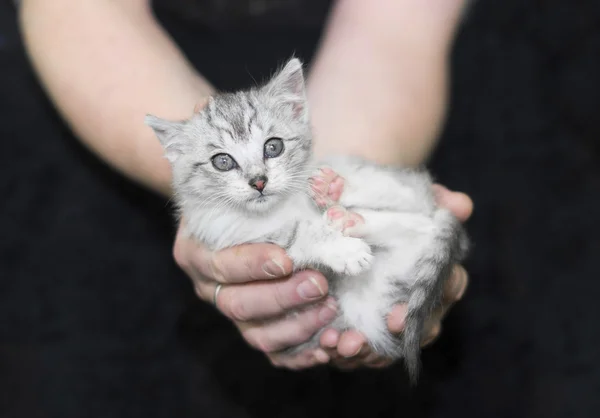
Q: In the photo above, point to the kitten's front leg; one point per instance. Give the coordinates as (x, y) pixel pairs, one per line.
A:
(315, 243)
(326, 187)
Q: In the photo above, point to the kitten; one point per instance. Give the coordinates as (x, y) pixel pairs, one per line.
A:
(241, 174)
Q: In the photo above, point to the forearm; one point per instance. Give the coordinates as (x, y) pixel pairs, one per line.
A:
(378, 87)
(106, 64)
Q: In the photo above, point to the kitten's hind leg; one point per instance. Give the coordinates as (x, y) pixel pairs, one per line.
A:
(377, 227)
(367, 186)
(317, 243)
(345, 221)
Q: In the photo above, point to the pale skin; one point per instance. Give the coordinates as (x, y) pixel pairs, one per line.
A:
(380, 74)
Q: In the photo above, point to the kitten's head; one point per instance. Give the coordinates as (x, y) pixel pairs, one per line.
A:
(246, 150)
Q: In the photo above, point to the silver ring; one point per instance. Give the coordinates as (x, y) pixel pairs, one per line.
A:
(217, 290)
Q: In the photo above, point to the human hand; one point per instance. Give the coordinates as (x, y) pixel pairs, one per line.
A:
(350, 350)
(258, 294)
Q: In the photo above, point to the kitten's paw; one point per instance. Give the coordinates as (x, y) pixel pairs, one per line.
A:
(349, 223)
(351, 256)
(326, 187)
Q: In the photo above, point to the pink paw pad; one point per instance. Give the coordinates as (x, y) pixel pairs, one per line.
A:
(344, 220)
(327, 187)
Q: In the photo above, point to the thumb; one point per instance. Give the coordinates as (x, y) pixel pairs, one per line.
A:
(458, 203)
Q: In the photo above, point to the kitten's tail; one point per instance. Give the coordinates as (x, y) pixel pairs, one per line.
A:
(449, 244)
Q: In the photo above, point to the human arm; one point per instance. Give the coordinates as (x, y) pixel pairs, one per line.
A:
(378, 89)
(105, 64)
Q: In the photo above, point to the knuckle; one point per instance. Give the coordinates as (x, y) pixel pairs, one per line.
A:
(267, 346)
(436, 330)
(275, 362)
(215, 266)
(308, 326)
(248, 263)
(303, 325)
(279, 296)
(432, 334)
(198, 291)
(259, 342)
(179, 254)
(253, 340)
(235, 306)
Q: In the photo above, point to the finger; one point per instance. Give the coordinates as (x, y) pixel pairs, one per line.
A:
(243, 263)
(353, 363)
(458, 203)
(454, 289)
(321, 356)
(267, 299)
(456, 285)
(330, 338)
(344, 363)
(306, 359)
(381, 363)
(370, 356)
(431, 333)
(329, 341)
(365, 354)
(351, 343)
(366, 358)
(361, 357)
(290, 330)
(396, 319)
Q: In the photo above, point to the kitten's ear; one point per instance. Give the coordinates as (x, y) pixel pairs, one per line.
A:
(170, 135)
(288, 85)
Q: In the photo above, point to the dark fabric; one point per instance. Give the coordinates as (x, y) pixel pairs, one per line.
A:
(97, 321)
(258, 15)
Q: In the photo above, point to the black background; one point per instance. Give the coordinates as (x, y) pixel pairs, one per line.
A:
(97, 321)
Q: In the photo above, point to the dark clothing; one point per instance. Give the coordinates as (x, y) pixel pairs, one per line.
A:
(227, 15)
(97, 321)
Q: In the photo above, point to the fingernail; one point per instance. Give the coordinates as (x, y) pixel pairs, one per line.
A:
(274, 268)
(433, 334)
(461, 286)
(327, 313)
(355, 354)
(321, 356)
(310, 289)
(330, 340)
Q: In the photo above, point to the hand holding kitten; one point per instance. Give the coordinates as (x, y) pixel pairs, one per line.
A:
(259, 293)
(350, 350)
(259, 290)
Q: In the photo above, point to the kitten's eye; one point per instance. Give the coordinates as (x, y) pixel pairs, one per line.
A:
(273, 148)
(223, 162)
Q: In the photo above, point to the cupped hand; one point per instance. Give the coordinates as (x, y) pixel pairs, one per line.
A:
(350, 350)
(259, 293)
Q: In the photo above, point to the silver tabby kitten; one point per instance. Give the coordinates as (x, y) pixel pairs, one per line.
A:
(241, 174)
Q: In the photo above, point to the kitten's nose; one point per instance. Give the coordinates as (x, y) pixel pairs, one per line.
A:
(258, 183)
